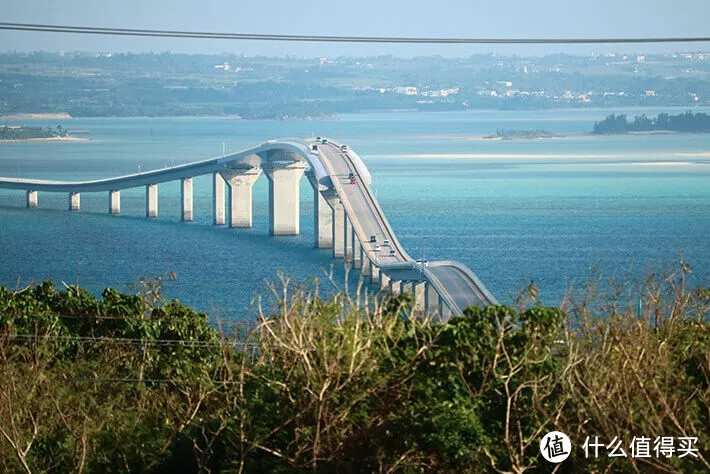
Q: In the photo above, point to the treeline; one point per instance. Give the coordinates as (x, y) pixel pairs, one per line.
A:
(685, 122)
(17, 132)
(135, 383)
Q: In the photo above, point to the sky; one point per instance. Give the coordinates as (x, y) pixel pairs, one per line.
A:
(439, 18)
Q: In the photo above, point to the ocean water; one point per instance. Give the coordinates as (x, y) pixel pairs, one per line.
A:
(548, 211)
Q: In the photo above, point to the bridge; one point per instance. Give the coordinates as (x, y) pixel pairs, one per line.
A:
(347, 217)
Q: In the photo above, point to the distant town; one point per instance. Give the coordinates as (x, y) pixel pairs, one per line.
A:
(164, 84)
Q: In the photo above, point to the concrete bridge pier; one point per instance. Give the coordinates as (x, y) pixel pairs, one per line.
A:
(31, 199)
(284, 195)
(218, 195)
(418, 289)
(114, 202)
(395, 287)
(374, 273)
(322, 215)
(240, 181)
(432, 302)
(366, 267)
(323, 222)
(384, 281)
(347, 239)
(74, 201)
(356, 250)
(337, 223)
(151, 200)
(186, 199)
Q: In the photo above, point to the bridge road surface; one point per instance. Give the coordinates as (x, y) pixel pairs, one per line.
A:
(450, 278)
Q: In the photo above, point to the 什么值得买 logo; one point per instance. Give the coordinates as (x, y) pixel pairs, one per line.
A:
(555, 446)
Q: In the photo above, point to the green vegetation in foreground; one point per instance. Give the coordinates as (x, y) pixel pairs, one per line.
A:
(685, 122)
(513, 134)
(18, 132)
(134, 383)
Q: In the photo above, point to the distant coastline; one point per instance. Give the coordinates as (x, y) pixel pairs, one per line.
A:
(36, 116)
(66, 116)
(46, 139)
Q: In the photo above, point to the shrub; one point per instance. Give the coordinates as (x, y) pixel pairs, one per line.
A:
(138, 383)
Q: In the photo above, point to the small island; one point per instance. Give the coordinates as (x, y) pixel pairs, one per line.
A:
(512, 134)
(685, 122)
(21, 132)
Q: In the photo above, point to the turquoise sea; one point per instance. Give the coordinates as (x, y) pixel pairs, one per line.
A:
(547, 211)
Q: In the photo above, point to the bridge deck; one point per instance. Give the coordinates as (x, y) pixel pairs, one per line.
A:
(457, 286)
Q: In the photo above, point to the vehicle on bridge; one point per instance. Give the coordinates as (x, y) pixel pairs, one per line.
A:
(343, 147)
